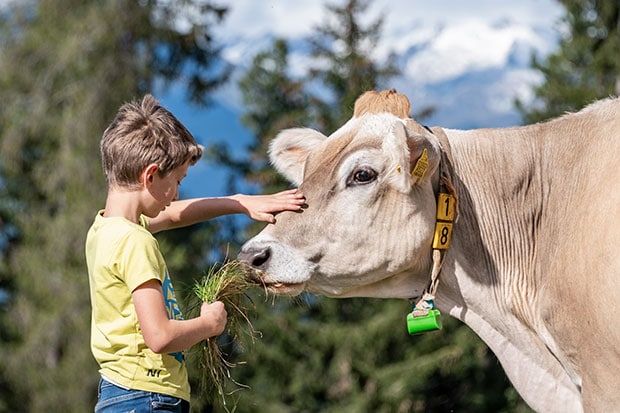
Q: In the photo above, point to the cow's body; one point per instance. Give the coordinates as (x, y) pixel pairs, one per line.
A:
(533, 267)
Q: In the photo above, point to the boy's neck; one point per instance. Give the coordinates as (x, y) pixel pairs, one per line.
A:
(123, 204)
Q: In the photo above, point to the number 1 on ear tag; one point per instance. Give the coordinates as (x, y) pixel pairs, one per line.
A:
(425, 323)
(445, 207)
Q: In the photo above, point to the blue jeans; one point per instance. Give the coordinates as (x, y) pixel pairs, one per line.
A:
(115, 399)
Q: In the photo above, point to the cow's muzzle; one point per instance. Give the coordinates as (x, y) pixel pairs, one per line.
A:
(256, 260)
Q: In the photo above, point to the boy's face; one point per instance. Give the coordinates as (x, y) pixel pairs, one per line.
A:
(163, 189)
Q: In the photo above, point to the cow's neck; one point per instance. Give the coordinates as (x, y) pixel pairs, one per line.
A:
(494, 239)
(489, 277)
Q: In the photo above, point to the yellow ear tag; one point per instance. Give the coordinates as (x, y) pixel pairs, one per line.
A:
(421, 165)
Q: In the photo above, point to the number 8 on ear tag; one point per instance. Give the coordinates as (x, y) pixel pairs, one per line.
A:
(424, 323)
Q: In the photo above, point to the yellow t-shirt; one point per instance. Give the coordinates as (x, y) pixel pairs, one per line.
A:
(121, 256)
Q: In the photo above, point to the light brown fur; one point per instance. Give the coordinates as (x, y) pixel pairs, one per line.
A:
(388, 101)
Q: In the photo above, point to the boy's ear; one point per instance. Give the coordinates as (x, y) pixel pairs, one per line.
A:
(148, 174)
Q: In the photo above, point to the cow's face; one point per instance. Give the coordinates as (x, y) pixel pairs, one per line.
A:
(369, 223)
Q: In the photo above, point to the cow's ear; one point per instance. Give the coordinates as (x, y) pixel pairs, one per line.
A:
(424, 154)
(413, 154)
(290, 148)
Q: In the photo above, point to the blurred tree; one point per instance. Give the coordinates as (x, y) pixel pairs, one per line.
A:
(65, 68)
(342, 49)
(354, 355)
(274, 102)
(586, 66)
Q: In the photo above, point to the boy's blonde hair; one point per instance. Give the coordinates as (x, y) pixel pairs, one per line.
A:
(143, 133)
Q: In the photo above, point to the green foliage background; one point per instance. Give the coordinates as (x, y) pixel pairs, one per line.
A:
(65, 68)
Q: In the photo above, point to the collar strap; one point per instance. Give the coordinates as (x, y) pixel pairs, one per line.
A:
(424, 316)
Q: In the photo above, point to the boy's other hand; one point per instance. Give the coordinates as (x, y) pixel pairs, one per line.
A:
(216, 317)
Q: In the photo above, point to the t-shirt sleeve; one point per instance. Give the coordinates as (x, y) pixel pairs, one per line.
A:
(140, 260)
(144, 221)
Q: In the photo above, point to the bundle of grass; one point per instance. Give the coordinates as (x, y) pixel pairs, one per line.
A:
(226, 283)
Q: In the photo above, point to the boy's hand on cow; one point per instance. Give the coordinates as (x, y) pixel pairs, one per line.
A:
(263, 207)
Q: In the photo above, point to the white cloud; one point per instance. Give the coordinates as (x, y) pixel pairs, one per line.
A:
(515, 84)
(251, 18)
(466, 46)
(297, 18)
(294, 19)
(407, 22)
(536, 12)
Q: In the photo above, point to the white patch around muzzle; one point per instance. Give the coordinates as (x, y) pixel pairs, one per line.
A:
(276, 265)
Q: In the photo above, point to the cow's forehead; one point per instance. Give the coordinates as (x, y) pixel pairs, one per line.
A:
(322, 161)
(367, 131)
(369, 125)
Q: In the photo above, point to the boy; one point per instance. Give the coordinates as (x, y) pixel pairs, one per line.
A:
(138, 333)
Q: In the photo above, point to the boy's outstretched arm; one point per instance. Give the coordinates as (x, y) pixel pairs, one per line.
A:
(258, 207)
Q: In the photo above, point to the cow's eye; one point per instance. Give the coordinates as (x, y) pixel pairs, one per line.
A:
(362, 176)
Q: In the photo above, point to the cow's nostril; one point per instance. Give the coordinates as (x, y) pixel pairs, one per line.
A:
(255, 257)
(260, 258)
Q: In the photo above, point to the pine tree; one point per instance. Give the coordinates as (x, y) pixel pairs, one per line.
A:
(586, 66)
(344, 44)
(273, 101)
(65, 68)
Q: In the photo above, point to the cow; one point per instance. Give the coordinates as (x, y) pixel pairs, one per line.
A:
(531, 258)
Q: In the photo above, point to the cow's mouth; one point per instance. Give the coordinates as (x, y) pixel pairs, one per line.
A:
(276, 287)
(281, 288)
(261, 279)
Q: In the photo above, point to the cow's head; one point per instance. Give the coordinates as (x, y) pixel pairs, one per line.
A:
(368, 227)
